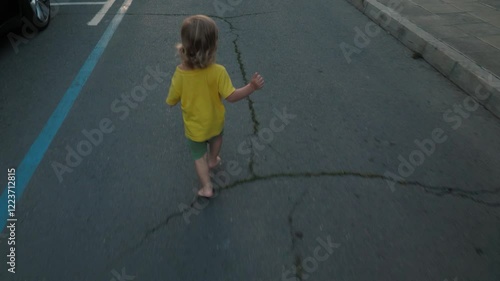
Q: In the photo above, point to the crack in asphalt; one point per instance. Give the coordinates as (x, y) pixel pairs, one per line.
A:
(250, 14)
(133, 248)
(243, 76)
(299, 272)
(253, 115)
(182, 14)
(434, 190)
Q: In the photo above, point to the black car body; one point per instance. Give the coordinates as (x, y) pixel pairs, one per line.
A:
(14, 12)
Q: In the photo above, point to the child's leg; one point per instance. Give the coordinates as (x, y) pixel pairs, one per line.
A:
(213, 156)
(202, 171)
(200, 156)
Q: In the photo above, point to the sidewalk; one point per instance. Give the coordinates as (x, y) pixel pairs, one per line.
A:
(460, 38)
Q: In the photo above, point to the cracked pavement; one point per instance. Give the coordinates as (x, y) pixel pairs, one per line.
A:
(130, 204)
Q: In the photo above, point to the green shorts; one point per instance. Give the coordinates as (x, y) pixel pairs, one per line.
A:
(198, 149)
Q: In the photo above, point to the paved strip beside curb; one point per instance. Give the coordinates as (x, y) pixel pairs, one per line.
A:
(475, 80)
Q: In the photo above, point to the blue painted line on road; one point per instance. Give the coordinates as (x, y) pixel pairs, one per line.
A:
(35, 154)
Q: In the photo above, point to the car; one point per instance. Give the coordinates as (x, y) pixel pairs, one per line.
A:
(14, 13)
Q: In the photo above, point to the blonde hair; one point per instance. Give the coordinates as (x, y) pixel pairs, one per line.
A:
(199, 35)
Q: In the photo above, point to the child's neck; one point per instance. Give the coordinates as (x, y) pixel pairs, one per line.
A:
(184, 67)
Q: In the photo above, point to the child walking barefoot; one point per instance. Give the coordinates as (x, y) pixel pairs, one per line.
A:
(200, 85)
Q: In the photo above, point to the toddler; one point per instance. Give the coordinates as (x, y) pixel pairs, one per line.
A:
(200, 85)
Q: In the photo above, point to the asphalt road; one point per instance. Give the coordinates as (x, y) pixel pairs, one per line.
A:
(339, 169)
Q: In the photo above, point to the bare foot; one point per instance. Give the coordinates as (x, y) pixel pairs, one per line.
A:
(212, 165)
(207, 191)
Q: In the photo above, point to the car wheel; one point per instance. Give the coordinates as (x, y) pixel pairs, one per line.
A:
(38, 12)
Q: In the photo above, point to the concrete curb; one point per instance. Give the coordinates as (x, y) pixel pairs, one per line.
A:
(475, 80)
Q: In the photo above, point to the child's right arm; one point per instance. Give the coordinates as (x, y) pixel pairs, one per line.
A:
(174, 96)
(256, 84)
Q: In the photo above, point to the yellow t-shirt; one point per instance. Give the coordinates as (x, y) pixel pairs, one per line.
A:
(200, 92)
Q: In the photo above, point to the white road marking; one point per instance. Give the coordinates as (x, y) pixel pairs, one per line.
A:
(98, 17)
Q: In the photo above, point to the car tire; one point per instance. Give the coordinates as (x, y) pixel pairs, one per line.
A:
(37, 12)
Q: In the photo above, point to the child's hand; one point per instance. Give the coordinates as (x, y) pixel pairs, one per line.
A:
(257, 81)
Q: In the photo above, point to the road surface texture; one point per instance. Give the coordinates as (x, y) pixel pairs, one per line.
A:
(347, 166)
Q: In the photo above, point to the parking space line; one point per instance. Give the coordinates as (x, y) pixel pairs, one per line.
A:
(77, 3)
(35, 154)
(98, 17)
